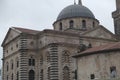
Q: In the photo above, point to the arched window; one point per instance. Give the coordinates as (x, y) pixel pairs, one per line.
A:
(89, 45)
(7, 77)
(31, 75)
(66, 73)
(48, 73)
(17, 62)
(41, 74)
(12, 64)
(83, 24)
(12, 77)
(93, 24)
(66, 57)
(7, 66)
(31, 61)
(17, 75)
(48, 57)
(60, 26)
(71, 23)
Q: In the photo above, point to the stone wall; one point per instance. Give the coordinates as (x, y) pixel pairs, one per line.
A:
(98, 64)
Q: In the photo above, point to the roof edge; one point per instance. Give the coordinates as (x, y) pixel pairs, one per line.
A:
(96, 52)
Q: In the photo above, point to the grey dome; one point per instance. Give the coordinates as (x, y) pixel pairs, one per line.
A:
(75, 11)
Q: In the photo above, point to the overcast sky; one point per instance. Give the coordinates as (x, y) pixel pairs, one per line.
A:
(40, 14)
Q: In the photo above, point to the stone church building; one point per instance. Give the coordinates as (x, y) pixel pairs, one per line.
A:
(49, 54)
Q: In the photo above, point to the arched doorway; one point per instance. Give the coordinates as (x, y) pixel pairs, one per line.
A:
(31, 75)
(66, 73)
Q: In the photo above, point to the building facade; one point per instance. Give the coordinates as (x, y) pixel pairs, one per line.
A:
(47, 55)
(101, 63)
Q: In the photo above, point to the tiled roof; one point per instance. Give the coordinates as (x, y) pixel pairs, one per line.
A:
(100, 49)
(24, 30)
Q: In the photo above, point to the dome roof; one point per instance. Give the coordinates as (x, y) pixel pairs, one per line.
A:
(75, 11)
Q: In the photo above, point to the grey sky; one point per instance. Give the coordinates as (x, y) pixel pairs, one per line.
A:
(40, 14)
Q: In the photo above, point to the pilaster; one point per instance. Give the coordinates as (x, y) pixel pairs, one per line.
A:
(23, 59)
(3, 68)
(54, 61)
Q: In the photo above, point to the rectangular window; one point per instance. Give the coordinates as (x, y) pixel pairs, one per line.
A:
(92, 76)
(12, 66)
(17, 76)
(29, 62)
(33, 62)
(17, 64)
(113, 72)
(41, 74)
